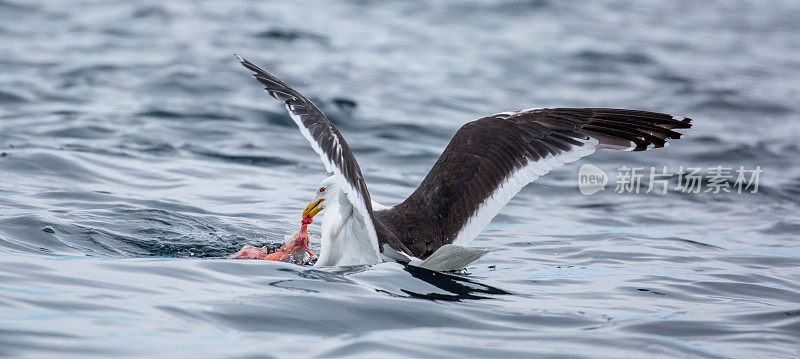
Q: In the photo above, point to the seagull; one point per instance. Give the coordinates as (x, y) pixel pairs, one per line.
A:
(485, 164)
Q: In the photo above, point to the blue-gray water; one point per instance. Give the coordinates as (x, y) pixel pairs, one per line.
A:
(135, 153)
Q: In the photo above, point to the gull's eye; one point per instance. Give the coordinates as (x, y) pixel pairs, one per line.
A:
(322, 190)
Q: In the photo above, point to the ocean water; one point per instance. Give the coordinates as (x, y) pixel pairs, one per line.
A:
(136, 154)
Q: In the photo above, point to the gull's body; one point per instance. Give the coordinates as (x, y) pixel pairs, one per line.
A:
(486, 163)
(344, 237)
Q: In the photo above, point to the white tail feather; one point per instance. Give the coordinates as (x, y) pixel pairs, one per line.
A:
(451, 257)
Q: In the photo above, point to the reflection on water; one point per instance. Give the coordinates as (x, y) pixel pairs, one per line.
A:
(426, 284)
(457, 288)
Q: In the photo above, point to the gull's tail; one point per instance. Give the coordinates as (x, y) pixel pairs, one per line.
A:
(451, 257)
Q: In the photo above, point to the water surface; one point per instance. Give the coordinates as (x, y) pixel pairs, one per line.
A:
(136, 153)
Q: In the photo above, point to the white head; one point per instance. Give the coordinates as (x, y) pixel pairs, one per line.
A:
(327, 194)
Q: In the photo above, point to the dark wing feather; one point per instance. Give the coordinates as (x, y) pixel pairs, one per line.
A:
(486, 152)
(324, 138)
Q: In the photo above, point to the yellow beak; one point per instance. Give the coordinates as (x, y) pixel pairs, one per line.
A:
(313, 208)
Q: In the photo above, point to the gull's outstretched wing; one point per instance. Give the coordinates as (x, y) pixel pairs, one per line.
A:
(326, 140)
(489, 160)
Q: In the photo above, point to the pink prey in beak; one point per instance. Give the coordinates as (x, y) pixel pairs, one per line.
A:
(294, 249)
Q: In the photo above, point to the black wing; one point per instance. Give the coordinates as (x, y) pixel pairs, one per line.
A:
(489, 160)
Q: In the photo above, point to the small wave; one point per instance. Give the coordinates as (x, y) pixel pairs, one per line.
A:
(291, 35)
(597, 56)
(740, 105)
(783, 227)
(261, 161)
(344, 103)
(87, 71)
(185, 114)
(82, 132)
(16, 6)
(41, 164)
(12, 98)
(156, 12)
(409, 131)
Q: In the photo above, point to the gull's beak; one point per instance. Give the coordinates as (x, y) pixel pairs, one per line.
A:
(313, 208)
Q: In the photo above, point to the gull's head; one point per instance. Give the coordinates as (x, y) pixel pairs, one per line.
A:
(325, 193)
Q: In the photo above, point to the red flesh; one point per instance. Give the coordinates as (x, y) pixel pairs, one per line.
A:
(300, 242)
